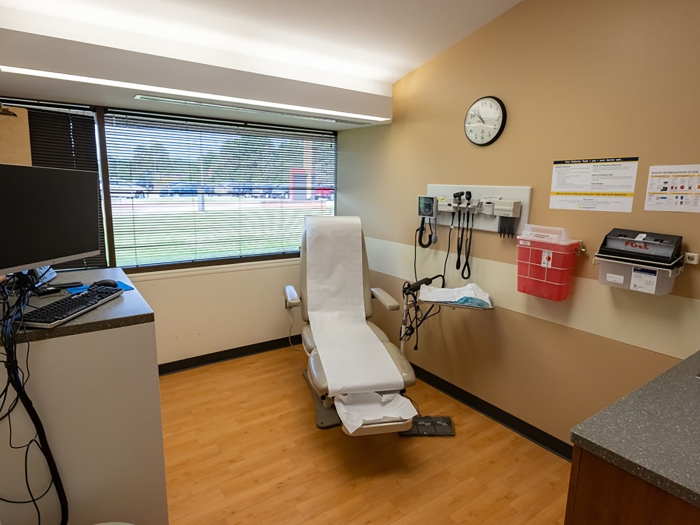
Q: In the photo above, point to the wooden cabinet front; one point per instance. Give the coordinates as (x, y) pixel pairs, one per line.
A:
(601, 493)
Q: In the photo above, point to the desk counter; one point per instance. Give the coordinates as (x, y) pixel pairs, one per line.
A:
(654, 432)
(127, 310)
(94, 381)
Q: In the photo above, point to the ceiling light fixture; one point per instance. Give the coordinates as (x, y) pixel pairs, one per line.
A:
(185, 93)
(194, 103)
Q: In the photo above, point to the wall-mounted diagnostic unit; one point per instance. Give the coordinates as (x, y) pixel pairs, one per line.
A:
(640, 261)
(500, 209)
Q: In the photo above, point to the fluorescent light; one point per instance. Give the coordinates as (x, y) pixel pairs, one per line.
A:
(194, 103)
(185, 93)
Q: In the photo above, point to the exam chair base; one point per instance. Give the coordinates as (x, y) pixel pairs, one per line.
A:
(326, 417)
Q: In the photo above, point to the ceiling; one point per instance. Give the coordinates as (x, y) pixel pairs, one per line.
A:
(338, 48)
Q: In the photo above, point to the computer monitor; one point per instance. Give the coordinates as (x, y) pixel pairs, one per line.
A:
(47, 216)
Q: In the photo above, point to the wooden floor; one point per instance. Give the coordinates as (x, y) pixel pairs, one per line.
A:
(241, 447)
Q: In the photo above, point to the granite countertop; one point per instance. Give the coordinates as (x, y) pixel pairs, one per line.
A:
(126, 310)
(654, 432)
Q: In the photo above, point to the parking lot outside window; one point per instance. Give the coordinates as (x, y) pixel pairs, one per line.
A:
(189, 191)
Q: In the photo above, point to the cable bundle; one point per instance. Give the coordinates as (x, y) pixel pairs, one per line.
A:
(414, 316)
(14, 298)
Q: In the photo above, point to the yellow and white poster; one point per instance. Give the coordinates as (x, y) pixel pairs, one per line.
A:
(674, 188)
(594, 184)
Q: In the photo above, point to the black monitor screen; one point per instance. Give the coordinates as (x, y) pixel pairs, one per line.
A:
(47, 216)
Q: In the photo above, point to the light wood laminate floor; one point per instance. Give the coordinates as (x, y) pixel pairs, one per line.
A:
(242, 447)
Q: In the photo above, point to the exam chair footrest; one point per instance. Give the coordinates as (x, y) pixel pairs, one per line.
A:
(395, 427)
(325, 417)
(435, 426)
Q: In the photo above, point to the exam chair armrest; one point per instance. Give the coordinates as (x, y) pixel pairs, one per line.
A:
(386, 300)
(291, 297)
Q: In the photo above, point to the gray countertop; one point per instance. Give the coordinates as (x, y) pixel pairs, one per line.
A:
(654, 432)
(126, 310)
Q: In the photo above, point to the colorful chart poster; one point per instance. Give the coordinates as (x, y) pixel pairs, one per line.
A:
(594, 184)
(674, 188)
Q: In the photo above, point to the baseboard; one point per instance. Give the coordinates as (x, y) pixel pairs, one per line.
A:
(225, 355)
(525, 429)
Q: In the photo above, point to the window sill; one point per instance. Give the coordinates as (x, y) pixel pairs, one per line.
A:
(174, 271)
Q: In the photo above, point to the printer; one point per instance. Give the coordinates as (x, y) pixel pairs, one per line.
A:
(639, 261)
(650, 249)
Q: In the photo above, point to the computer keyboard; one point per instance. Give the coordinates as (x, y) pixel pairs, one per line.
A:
(63, 310)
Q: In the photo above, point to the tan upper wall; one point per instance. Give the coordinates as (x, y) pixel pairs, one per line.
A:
(579, 80)
(14, 139)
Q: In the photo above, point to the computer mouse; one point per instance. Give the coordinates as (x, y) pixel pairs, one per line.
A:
(106, 282)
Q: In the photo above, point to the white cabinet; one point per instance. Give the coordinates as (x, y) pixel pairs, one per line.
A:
(97, 393)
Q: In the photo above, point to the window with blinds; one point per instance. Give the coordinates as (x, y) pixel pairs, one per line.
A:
(186, 190)
(65, 138)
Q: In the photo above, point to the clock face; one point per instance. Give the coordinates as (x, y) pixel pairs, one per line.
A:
(485, 121)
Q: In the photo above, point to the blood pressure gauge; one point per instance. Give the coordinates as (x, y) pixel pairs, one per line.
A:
(427, 207)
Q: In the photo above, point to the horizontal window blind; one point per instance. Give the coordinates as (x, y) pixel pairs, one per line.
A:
(185, 190)
(66, 139)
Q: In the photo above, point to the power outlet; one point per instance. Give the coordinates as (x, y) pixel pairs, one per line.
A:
(692, 258)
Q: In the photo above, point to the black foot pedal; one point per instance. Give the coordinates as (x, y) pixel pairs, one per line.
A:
(435, 426)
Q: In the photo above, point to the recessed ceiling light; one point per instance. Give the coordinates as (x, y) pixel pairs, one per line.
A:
(190, 94)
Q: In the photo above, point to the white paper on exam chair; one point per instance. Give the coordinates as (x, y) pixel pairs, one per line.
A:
(356, 410)
(469, 295)
(353, 358)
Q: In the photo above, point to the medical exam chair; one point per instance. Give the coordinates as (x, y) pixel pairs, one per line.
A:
(315, 374)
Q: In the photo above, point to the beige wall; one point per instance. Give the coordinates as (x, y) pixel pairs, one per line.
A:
(205, 310)
(14, 139)
(551, 376)
(579, 80)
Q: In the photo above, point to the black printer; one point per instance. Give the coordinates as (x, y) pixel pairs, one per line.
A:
(651, 249)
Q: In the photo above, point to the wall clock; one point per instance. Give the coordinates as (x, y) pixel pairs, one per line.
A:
(485, 121)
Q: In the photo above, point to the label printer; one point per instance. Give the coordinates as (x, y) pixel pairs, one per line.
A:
(640, 261)
(645, 248)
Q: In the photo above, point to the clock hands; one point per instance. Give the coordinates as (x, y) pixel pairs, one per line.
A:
(482, 126)
(475, 113)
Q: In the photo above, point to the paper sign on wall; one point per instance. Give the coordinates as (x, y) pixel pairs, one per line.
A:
(594, 184)
(674, 188)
